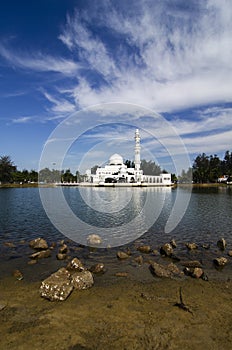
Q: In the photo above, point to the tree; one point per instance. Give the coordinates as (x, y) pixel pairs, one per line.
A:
(7, 168)
(201, 169)
(150, 167)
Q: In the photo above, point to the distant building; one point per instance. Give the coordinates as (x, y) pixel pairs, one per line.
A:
(117, 172)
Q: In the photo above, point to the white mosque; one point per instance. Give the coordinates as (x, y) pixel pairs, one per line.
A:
(116, 172)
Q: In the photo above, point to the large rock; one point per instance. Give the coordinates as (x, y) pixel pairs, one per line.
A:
(38, 243)
(221, 243)
(170, 270)
(82, 279)
(166, 250)
(58, 286)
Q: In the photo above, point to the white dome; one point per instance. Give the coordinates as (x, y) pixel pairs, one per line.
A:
(116, 159)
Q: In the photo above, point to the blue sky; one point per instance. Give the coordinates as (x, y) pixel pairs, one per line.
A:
(171, 57)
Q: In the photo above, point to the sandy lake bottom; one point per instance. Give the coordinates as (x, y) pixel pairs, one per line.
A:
(118, 313)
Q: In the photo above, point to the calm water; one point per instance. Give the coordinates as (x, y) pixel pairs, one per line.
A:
(207, 218)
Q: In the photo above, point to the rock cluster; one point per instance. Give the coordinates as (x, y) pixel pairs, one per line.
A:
(60, 284)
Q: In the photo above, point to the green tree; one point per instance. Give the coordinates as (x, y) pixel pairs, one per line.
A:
(201, 169)
(7, 168)
(150, 167)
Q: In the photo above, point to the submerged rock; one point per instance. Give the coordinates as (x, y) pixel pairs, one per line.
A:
(63, 249)
(38, 243)
(82, 279)
(41, 254)
(144, 249)
(230, 253)
(122, 255)
(58, 286)
(166, 250)
(221, 243)
(220, 261)
(61, 256)
(139, 260)
(17, 274)
(191, 263)
(121, 274)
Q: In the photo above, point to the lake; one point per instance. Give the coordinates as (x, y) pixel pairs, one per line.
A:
(118, 215)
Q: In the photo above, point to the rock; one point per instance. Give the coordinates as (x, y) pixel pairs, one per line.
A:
(38, 243)
(160, 270)
(82, 279)
(122, 255)
(63, 249)
(57, 286)
(206, 246)
(221, 243)
(173, 243)
(174, 269)
(144, 249)
(155, 252)
(75, 265)
(2, 306)
(97, 268)
(32, 262)
(230, 253)
(220, 261)
(60, 256)
(139, 260)
(121, 274)
(17, 274)
(191, 246)
(94, 240)
(197, 272)
(191, 263)
(166, 250)
(41, 254)
(9, 244)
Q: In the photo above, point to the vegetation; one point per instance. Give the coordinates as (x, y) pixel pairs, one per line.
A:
(205, 169)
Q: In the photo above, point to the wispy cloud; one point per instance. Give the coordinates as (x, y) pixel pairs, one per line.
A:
(21, 120)
(38, 61)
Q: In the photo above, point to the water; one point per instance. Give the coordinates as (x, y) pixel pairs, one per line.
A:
(207, 218)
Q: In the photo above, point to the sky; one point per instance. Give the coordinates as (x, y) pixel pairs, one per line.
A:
(82, 75)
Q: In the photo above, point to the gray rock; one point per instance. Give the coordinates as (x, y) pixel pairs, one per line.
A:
(221, 243)
(57, 286)
(191, 246)
(38, 243)
(166, 250)
(75, 265)
(41, 254)
(220, 261)
(144, 249)
(82, 279)
(122, 255)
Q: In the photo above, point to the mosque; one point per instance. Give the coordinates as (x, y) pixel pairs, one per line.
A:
(116, 171)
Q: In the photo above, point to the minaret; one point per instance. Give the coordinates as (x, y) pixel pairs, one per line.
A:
(137, 150)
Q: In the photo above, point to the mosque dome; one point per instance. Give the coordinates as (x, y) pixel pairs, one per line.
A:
(116, 159)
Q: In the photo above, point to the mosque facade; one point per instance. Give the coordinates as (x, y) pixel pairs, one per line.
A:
(117, 172)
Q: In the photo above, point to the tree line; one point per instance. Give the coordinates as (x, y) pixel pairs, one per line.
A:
(205, 169)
